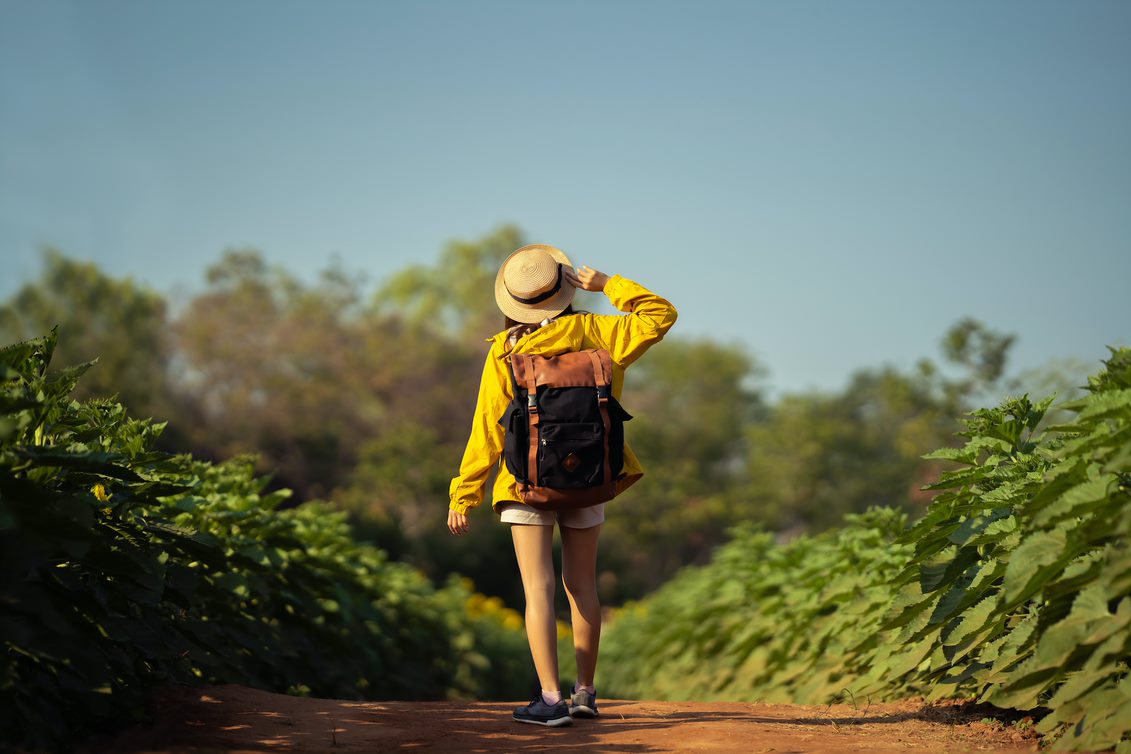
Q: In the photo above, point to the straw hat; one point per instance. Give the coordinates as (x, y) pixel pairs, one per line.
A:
(531, 285)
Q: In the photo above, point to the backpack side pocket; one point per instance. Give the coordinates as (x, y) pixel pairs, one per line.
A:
(617, 417)
(516, 442)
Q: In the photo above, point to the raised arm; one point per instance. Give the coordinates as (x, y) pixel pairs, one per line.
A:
(649, 316)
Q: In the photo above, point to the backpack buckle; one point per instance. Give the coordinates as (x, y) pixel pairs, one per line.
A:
(602, 393)
(531, 402)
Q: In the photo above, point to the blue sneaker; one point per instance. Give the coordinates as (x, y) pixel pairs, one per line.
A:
(540, 713)
(582, 703)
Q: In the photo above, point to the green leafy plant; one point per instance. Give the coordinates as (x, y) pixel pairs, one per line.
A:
(124, 568)
(1014, 588)
(762, 620)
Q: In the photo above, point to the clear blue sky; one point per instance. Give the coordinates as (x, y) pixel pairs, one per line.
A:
(832, 184)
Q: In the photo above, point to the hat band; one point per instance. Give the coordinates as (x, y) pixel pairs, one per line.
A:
(541, 296)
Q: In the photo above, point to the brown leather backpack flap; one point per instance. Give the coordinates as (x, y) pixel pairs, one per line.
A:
(574, 369)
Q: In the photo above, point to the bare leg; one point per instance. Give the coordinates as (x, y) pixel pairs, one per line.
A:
(579, 575)
(533, 548)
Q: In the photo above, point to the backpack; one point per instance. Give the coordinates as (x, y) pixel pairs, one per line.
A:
(564, 438)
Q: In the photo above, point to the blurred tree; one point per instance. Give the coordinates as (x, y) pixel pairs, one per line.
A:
(455, 295)
(278, 368)
(425, 330)
(117, 321)
(691, 400)
(369, 405)
(981, 351)
(818, 456)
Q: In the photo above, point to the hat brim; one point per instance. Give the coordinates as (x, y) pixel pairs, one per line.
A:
(534, 313)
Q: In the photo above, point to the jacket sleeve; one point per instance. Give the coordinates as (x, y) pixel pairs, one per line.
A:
(486, 442)
(649, 318)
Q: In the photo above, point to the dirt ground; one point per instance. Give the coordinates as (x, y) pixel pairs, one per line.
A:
(235, 719)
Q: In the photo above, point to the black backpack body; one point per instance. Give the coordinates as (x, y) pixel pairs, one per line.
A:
(564, 429)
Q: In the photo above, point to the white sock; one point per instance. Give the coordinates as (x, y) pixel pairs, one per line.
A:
(551, 697)
(588, 689)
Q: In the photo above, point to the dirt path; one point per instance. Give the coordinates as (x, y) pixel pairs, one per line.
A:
(238, 719)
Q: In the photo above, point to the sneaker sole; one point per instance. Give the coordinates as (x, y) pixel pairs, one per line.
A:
(556, 723)
(581, 711)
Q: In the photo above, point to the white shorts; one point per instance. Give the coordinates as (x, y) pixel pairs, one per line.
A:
(575, 518)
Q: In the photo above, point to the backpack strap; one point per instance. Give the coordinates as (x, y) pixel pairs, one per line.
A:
(532, 412)
(603, 405)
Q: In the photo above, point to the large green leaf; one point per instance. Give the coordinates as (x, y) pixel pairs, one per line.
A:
(106, 464)
(1031, 563)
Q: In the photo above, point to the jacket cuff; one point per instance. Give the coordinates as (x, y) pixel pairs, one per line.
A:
(459, 507)
(616, 293)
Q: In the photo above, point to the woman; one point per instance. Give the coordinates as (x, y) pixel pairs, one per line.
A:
(534, 289)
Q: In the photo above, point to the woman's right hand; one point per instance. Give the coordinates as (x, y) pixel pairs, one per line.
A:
(586, 278)
(457, 523)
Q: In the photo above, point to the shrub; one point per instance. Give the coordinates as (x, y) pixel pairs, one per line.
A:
(1014, 588)
(125, 568)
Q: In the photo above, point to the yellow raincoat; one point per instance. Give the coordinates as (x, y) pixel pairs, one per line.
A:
(626, 338)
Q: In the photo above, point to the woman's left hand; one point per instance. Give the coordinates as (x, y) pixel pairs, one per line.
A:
(457, 523)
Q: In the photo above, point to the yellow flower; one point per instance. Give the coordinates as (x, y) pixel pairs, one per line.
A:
(100, 492)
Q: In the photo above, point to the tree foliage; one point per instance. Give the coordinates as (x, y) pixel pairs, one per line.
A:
(119, 322)
(454, 296)
(365, 399)
(276, 367)
(692, 401)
